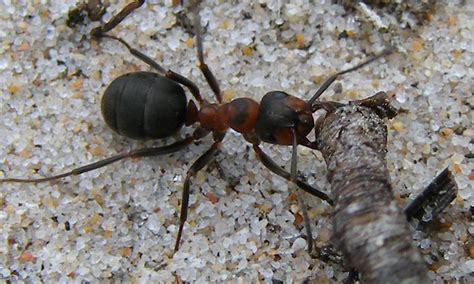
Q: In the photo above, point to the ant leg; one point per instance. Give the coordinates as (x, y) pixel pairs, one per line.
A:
(380, 102)
(333, 78)
(299, 196)
(210, 78)
(166, 73)
(145, 152)
(100, 32)
(200, 163)
(294, 157)
(272, 166)
(117, 19)
(329, 107)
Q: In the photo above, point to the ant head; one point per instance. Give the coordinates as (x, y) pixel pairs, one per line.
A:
(280, 115)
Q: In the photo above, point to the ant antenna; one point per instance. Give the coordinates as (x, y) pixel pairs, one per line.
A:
(333, 78)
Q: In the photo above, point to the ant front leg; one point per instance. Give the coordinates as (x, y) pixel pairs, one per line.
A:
(276, 169)
(292, 176)
(333, 78)
(299, 196)
(380, 103)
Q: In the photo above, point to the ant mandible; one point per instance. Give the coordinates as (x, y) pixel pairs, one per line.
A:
(147, 105)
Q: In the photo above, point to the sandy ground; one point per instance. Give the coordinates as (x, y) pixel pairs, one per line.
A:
(120, 222)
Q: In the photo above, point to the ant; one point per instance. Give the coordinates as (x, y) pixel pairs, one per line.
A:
(147, 105)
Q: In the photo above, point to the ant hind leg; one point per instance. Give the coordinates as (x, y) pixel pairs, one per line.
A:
(117, 19)
(101, 32)
(145, 152)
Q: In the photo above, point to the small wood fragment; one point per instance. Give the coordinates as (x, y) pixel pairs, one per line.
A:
(434, 199)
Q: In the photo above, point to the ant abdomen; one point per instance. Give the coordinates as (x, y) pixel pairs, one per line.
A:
(144, 105)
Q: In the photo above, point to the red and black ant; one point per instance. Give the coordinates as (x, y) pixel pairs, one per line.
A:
(147, 105)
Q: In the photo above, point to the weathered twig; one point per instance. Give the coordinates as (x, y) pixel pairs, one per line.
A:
(369, 227)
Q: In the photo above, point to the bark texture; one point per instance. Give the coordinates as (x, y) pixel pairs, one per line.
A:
(369, 227)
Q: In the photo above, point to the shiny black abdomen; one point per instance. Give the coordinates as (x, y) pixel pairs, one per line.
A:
(144, 105)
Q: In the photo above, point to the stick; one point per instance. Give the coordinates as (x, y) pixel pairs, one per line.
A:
(369, 227)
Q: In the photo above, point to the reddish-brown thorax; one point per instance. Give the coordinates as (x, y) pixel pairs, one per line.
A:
(239, 114)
